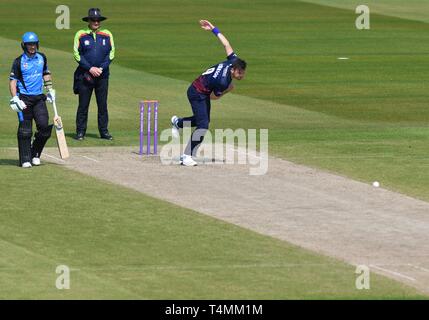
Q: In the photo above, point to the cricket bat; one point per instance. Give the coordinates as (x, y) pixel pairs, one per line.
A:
(59, 130)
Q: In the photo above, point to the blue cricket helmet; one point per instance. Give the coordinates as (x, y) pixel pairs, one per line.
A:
(29, 37)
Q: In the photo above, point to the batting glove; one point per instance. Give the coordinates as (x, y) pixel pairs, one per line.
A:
(17, 104)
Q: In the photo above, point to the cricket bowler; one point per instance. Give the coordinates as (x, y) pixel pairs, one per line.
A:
(27, 78)
(214, 83)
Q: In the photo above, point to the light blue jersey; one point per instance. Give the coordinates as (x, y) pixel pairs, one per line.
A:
(29, 72)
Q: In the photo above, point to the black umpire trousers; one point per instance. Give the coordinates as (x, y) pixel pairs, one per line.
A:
(100, 86)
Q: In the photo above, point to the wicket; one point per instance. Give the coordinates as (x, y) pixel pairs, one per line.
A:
(149, 104)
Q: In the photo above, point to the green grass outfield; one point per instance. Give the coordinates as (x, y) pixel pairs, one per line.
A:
(369, 115)
(365, 118)
(121, 244)
(414, 9)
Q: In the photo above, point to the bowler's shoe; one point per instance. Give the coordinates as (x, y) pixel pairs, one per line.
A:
(186, 160)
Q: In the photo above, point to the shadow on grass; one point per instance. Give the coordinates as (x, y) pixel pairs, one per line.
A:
(88, 135)
(9, 162)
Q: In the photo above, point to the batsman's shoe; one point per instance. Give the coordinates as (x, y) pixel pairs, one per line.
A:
(174, 127)
(35, 161)
(26, 165)
(187, 161)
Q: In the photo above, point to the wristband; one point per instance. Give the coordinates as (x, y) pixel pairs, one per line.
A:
(48, 84)
(215, 31)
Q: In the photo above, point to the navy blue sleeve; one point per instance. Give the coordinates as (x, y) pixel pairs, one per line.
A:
(45, 65)
(14, 72)
(83, 62)
(217, 93)
(232, 57)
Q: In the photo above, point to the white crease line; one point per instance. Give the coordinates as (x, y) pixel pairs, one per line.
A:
(393, 272)
(49, 156)
(91, 159)
(419, 268)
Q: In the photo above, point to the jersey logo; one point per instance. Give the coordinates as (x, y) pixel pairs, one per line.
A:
(25, 65)
(218, 69)
(104, 42)
(86, 42)
(225, 72)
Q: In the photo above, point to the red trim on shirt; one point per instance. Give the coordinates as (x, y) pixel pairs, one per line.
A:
(199, 86)
(103, 34)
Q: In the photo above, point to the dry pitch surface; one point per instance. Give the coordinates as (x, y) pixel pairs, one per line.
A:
(323, 212)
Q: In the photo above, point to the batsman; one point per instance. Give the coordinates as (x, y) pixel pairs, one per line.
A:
(214, 83)
(28, 76)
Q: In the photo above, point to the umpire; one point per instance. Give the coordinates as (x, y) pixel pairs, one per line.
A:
(94, 50)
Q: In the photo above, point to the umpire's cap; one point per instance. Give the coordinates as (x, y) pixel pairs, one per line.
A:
(94, 14)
